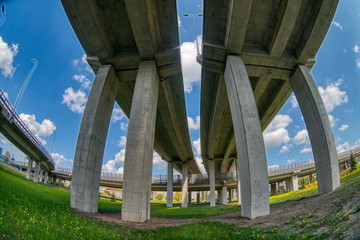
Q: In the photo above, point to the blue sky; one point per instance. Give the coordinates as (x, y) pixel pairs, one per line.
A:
(55, 97)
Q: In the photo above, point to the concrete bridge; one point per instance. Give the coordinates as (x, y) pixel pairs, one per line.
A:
(255, 53)
(15, 130)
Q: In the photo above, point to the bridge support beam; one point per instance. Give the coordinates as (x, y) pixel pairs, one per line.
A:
(46, 177)
(223, 195)
(29, 168)
(185, 182)
(169, 186)
(212, 183)
(91, 141)
(273, 189)
(319, 129)
(238, 190)
(140, 145)
(248, 136)
(36, 171)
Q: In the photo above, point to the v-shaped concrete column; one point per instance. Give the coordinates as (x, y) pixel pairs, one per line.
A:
(36, 171)
(91, 141)
(249, 140)
(29, 168)
(140, 145)
(212, 183)
(319, 129)
(185, 184)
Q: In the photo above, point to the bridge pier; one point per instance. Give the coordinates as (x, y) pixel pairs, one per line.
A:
(238, 184)
(273, 189)
(319, 129)
(46, 178)
(36, 171)
(292, 184)
(140, 145)
(212, 183)
(91, 141)
(223, 195)
(185, 182)
(29, 168)
(248, 136)
(169, 185)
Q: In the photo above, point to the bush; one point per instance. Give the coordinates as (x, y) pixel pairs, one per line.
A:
(159, 197)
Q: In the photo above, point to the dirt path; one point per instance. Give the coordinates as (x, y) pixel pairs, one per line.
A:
(341, 202)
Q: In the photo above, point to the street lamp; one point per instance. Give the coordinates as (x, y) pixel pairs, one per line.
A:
(198, 57)
(26, 82)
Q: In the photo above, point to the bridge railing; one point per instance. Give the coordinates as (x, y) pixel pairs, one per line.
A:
(229, 176)
(14, 117)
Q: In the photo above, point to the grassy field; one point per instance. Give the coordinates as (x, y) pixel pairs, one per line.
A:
(37, 211)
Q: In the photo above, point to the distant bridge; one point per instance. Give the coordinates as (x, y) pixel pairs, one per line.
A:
(16, 131)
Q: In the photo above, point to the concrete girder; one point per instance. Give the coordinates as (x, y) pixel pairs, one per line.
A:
(319, 129)
(91, 141)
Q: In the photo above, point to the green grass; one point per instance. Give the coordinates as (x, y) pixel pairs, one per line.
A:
(37, 211)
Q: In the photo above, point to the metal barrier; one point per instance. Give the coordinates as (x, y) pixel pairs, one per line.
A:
(14, 117)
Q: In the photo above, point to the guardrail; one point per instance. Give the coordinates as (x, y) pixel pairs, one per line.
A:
(14, 117)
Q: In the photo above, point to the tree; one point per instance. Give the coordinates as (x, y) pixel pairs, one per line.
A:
(178, 196)
(159, 197)
(352, 162)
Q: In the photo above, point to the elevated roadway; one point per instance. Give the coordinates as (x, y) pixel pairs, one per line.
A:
(255, 53)
(16, 131)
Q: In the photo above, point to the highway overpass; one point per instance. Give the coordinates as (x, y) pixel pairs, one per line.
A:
(16, 131)
(255, 54)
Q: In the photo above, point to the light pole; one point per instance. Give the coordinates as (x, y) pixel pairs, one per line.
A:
(26, 82)
(198, 57)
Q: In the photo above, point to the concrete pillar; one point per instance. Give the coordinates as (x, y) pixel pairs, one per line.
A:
(319, 129)
(184, 200)
(295, 182)
(41, 175)
(91, 141)
(238, 184)
(198, 198)
(140, 145)
(212, 183)
(29, 168)
(190, 198)
(46, 178)
(230, 195)
(273, 189)
(169, 186)
(289, 185)
(224, 195)
(202, 196)
(248, 136)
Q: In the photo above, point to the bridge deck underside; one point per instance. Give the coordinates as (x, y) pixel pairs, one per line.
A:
(272, 38)
(124, 33)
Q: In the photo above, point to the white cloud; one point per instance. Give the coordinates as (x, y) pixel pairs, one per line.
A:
(197, 146)
(276, 133)
(301, 137)
(194, 124)
(43, 129)
(285, 148)
(124, 126)
(332, 120)
(357, 142)
(158, 162)
(337, 25)
(190, 67)
(343, 147)
(76, 101)
(81, 63)
(60, 159)
(119, 159)
(7, 54)
(358, 63)
(332, 96)
(294, 102)
(117, 115)
(290, 160)
(306, 150)
(179, 21)
(356, 48)
(122, 141)
(83, 80)
(343, 127)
